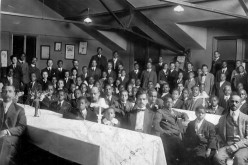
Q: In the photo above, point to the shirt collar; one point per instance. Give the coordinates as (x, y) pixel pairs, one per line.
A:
(237, 112)
(32, 65)
(7, 105)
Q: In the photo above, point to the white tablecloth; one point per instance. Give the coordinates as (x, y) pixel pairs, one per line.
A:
(90, 143)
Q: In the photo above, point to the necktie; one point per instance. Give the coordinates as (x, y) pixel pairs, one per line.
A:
(233, 117)
(5, 109)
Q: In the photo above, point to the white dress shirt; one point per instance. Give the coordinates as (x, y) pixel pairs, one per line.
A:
(221, 83)
(235, 114)
(140, 119)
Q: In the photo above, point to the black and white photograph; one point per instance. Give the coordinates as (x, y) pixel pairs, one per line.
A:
(124, 82)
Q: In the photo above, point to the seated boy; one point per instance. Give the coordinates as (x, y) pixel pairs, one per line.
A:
(81, 112)
(200, 139)
(61, 106)
(110, 99)
(109, 118)
(214, 108)
(244, 105)
(154, 103)
(165, 91)
(47, 98)
(77, 95)
(177, 103)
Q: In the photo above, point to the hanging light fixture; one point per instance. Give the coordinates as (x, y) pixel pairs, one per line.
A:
(87, 19)
(179, 9)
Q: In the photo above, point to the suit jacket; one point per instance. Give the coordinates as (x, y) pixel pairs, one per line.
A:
(171, 78)
(46, 102)
(68, 83)
(84, 76)
(159, 67)
(227, 73)
(112, 73)
(190, 84)
(118, 62)
(101, 62)
(163, 97)
(15, 119)
(209, 83)
(224, 103)
(163, 76)
(124, 81)
(17, 72)
(243, 130)
(36, 71)
(25, 72)
(148, 76)
(216, 65)
(219, 111)
(191, 105)
(132, 75)
(16, 83)
(51, 73)
(96, 74)
(44, 85)
(112, 101)
(77, 115)
(36, 87)
(60, 74)
(241, 79)
(66, 107)
(204, 138)
(219, 90)
(148, 119)
(166, 123)
(244, 108)
(178, 104)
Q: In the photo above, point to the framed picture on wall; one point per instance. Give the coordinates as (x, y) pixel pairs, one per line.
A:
(82, 48)
(57, 46)
(4, 58)
(44, 52)
(69, 51)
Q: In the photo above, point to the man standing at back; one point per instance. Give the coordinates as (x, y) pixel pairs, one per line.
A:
(12, 125)
(100, 60)
(115, 61)
(232, 134)
(216, 63)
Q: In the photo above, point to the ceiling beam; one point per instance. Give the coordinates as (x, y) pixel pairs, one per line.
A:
(242, 3)
(204, 8)
(112, 13)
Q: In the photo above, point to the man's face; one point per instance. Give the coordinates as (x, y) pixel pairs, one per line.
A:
(175, 95)
(235, 102)
(110, 80)
(223, 77)
(50, 90)
(8, 93)
(214, 101)
(33, 77)
(142, 100)
(14, 60)
(243, 95)
(85, 70)
(45, 75)
(108, 90)
(123, 73)
(204, 69)
(124, 96)
(195, 91)
(165, 66)
(136, 67)
(200, 114)
(61, 84)
(34, 61)
(50, 63)
(150, 85)
(79, 80)
(23, 57)
(94, 63)
(149, 65)
(83, 88)
(168, 104)
(189, 66)
(177, 64)
(81, 104)
(238, 63)
(172, 66)
(224, 65)
(11, 73)
(99, 51)
(166, 88)
(67, 74)
(185, 94)
(115, 55)
(160, 59)
(241, 69)
(61, 96)
(54, 80)
(110, 114)
(109, 66)
(77, 94)
(153, 97)
(95, 94)
(60, 64)
(227, 91)
(137, 82)
(75, 64)
(216, 54)
(91, 80)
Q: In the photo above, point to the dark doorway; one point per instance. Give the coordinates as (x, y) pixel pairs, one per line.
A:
(18, 44)
(30, 48)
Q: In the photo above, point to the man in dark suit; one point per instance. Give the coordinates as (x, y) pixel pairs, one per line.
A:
(25, 72)
(110, 99)
(224, 70)
(216, 63)
(110, 72)
(200, 139)
(123, 79)
(60, 71)
(17, 70)
(241, 77)
(136, 73)
(177, 103)
(75, 65)
(100, 60)
(172, 76)
(167, 127)
(244, 105)
(214, 107)
(148, 75)
(94, 71)
(219, 86)
(34, 69)
(160, 64)
(225, 99)
(68, 80)
(13, 123)
(61, 106)
(49, 69)
(44, 81)
(85, 74)
(190, 67)
(11, 80)
(154, 102)
(115, 61)
(232, 134)
(48, 98)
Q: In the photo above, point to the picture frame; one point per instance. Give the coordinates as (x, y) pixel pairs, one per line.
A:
(4, 58)
(44, 52)
(57, 46)
(82, 48)
(69, 51)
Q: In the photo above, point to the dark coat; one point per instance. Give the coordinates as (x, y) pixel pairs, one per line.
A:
(216, 65)
(133, 75)
(101, 62)
(95, 73)
(51, 73)
(66, 107)
(17, 72)
(118, 62)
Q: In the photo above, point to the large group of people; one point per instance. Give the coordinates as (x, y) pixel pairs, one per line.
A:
(141, 100)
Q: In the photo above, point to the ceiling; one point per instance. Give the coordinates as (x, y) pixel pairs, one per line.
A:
(155, 20)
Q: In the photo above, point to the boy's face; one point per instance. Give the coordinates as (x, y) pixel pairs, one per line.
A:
(168, 104)
(214, 102)
(124, 96)
(33, 77)
(79, 81)
(73, 87)
(195, 91)
(243, 95)
(45, 75)
(83, 88)
(200, 114)
(153, 97)
(185, 94)
(204, 69)
(50, 90)
(110, 114)
(81, 104)
(77, 93)
(166, 88)
(142, 101)
(61, 84)
(138, 82)
(108, 90)
(227, 91)
(61, 96)
(67, 74)
(110, 80)
(223, 77)
(175, 95)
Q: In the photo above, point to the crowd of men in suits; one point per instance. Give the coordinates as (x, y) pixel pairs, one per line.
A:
(141, 100)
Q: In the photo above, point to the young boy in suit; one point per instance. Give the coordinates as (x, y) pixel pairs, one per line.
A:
(48, 98)
(109, 118)
(165, 91)
(244, 105)
(225, 99)
(200, 139)
(177, 103)
(214, 107)
(110, 99)
(154, 102)
(61, 106)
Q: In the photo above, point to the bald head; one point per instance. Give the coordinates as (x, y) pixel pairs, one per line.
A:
(235, 102)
